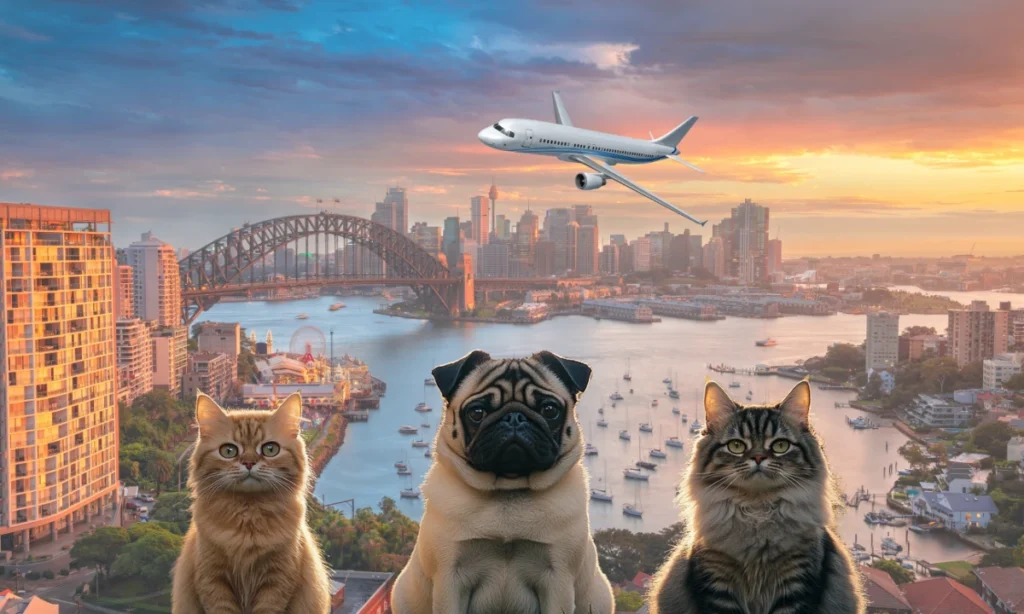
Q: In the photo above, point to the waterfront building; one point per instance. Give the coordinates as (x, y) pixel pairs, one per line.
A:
(883, 341)
(170, 357)
(956, 511)
(221, 338)
(134, 359)
(211, 373)
(157, 281)
(680, 309)
(773, 256)
(527, 313)
(615, 310)
(939, 411)
(59, 371)
(480, 215)
(1002, 588)
(977, 333)
(1001, 368)
(745, 307)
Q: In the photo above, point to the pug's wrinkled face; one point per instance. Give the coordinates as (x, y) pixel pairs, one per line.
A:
(512, 417)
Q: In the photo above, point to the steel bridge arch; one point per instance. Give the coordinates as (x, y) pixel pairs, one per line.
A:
(224, 261)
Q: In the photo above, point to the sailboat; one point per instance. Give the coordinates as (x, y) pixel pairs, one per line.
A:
(590, 449)
(674, 442)
(667, 380)
(626, 376)
(633, 509)
(602, 494)
(624, 434)
(657, 452)
(640, 462)
(602, 423)
(615, 396)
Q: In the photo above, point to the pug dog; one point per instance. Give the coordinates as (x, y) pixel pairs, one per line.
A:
(505, 526)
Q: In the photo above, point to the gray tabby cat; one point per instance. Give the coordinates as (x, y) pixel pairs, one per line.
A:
(759, 518)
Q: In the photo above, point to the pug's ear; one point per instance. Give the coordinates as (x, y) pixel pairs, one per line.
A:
(449, 376)
(573, 373)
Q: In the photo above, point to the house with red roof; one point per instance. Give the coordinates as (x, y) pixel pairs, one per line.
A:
(943, 596)
(1002, 588)
(640, 582)
(883, 595)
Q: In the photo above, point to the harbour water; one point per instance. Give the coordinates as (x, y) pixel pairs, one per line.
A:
(402, 353)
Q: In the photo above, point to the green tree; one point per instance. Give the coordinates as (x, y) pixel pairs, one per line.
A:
(1018, 552)
(628, 601)
(914, 455)
(874, 388)
(151, 558)
(100, 548)
(247, 371)
(898, 574)
(845, 356)
(1015, 383)
(174, 508)
(1000, 557)
(159, 468)
(913, 331)
(992, 438)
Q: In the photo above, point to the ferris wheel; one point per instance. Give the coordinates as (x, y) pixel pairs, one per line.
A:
(309, 341)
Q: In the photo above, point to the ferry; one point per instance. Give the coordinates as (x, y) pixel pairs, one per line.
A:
(625, 435)
(635, 474)
(658, 453)
(422, 407)
(600, 494)
(642, 464)
(411, 493)
(404, 471)
(696, 427)
(615, 396)
(766, 343)
(429, 382)
(602, 423)
(629, 509)
(419, 443)
(646, 428)
(673, 394)
(302, 316)
(337, 306)
(590, 450)
(674, 442)
(675, 410)
(408, 430)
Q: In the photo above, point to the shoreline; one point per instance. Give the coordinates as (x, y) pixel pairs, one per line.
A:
(327, 444)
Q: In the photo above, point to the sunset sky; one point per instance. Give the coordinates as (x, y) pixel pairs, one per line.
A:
(869, 126)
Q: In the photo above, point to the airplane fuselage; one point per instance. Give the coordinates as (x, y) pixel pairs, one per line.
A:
(560, 141)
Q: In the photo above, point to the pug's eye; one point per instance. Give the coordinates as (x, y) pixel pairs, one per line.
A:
(476, 413)
(736, 446)
(271, 448)
(549, 410)
(780, 446)
(229, 450)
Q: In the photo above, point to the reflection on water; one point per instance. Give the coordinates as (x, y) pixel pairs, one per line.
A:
(402, 352)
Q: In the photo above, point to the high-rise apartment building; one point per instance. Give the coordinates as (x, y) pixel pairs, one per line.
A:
(526, 236)
(210, 373)
(679, 252)
(427, 237)
(451, 242)
(502, 227)
(134, 359)
(493, 260)
(610, 259)
(157, 281)
(124, 296)
(619, 240)
(544, 258)
(587, 249)
(714, 257)
(696, 252)
(641, 249)
(883, 341)
(221, 338)
(58, 391)
(977, 333)
(749, 242)
(480, 216)
(170, 357)
(556, 227)
(773, 257)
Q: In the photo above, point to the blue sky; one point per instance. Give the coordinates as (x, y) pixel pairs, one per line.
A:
(858, 123)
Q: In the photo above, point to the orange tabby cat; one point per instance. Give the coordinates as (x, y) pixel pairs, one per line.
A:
(249, 550)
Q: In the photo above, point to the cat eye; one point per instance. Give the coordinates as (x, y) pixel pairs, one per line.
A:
(550, 410)
(271, 448)
(736, 446)
(229, 450)
(476, 414)
(780, 446)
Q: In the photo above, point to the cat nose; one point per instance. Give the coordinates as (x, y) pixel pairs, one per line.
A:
(249, 464)
(758, 458)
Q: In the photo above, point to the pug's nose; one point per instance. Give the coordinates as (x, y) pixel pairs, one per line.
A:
(515, 419)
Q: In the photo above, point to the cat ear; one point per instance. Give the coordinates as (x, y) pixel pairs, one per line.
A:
(209, 415)
(288, 414)
(797, 404)
(449, 376)
(718, 405)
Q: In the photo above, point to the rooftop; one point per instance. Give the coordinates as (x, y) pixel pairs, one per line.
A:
(943, 596)
(881, 591)
(961, 502)
(359, 587)
(1006, 582)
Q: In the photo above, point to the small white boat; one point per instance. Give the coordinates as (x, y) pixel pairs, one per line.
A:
(673, 442)
(889, 543)
(615, 396)
(337, 306)
(405, 429)
(411, 493)
(635, 474)
(684, 419)
(302, 316)
(602, 423)
(404, 472)
(734, 384)
(419, 443)
(629, 509)
(696, 427)
(423, 407)
(642, 464)
(673, 394)
(646, 428)
(624, 434)
(766, 343)
(590, 450)
(658, 453)
(600, 494)
(425, 425)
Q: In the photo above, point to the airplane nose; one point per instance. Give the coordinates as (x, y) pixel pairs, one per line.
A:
(485, 136)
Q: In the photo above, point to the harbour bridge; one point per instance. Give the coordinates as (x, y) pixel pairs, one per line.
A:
(227, 266)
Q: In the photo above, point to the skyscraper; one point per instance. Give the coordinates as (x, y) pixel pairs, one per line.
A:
(883, 341)
(774, 256)
(527, 231)
(134, 359)
(544, 258)
(502, 227)
(610, 259)
(977, 333)
(556, 227)
(399, 204)
(493, 195)
(59, 371)
(641, 254)
(157, 281)
(385, 214)
(124, 297)
(714, 257)
(749, 243)
(588, 245)
(451, 242)
(479, 213)
(427, 237)
(493, 260)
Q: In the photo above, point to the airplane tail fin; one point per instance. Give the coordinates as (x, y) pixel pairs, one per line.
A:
(676, 134)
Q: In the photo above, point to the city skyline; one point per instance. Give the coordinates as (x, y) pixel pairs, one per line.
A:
(876, 133)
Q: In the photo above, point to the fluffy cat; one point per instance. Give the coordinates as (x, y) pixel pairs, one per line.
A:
(758, 512)
(249, 550)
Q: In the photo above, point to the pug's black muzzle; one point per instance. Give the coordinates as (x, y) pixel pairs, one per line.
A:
(514, 445)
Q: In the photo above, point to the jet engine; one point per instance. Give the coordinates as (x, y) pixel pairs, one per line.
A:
(589, 181)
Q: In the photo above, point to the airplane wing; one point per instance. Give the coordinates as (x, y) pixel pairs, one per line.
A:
(561, 115)
(616, 176)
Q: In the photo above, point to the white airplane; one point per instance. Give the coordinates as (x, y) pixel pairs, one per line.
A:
(596, 150)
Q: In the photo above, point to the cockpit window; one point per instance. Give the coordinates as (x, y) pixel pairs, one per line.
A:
(507, 133)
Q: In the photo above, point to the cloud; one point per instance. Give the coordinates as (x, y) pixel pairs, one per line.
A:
(300, 152)
(13, 31)
(14, 173)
